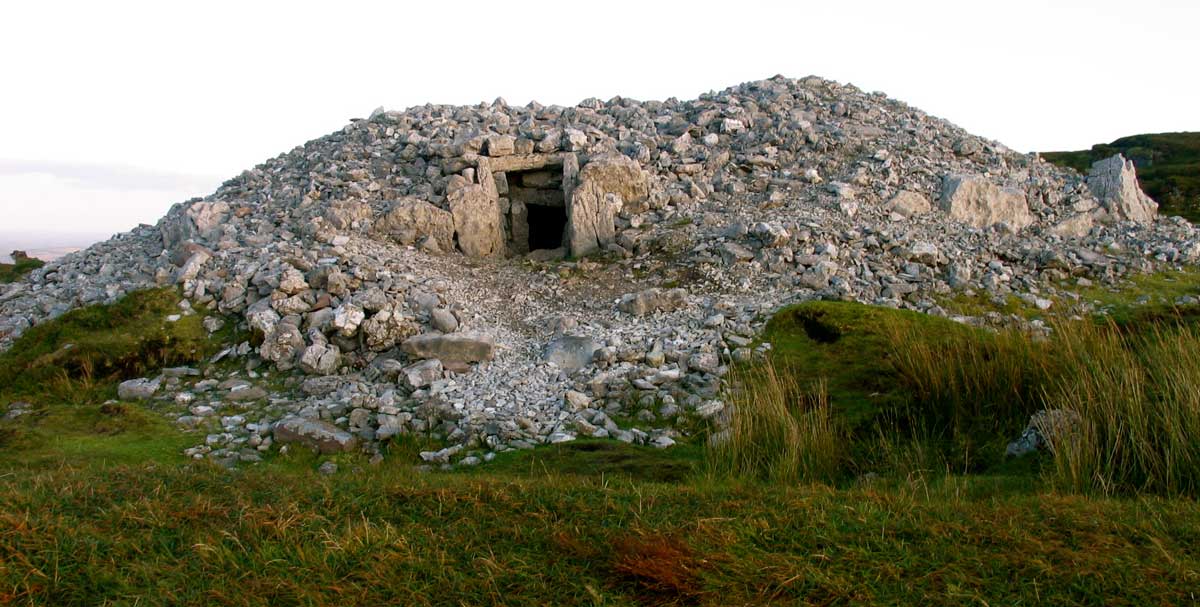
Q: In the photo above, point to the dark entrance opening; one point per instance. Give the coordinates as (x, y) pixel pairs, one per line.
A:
(546, 225)
(537, 208)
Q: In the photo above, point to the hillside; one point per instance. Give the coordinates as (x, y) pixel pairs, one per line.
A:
(501, 277)
(1168, 167)
(786, 343)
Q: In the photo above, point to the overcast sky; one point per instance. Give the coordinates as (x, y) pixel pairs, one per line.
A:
(112, 111)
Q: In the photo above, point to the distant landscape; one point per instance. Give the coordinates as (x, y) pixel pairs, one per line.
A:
(46, 246)
(1168, 166)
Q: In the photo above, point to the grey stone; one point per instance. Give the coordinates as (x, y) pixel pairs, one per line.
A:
(314, 434)
(443, 320)
(477, 222)
(410, 220)
(137, 389)
(465, 347)
(980, 203)
(653, 300)
(909, 204)
(570, 352)
(1114, 183)
(421, 374)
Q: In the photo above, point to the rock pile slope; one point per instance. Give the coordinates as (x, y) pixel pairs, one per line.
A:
(502, 276)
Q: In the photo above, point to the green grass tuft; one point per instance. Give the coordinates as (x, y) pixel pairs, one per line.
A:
(1137, 395)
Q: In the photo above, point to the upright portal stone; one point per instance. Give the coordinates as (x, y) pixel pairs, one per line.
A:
(979, 202)
(605, 186)
(1114, 183)
(477, 221)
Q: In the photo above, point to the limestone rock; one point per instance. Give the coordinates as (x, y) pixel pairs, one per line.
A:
(1075, 226)
(498, 145)
(1113, 182)
(262, 318)
(410, 220)
(477, 222)
(466, 347)
(344, 214)
(576, 401)
(315, 434)
(443, 320)
(137, 389)
(571, 352)
(978, 202)
(291, 281)
(191, 268)
(909, 204)
(321, 359)
(388, 327)
(282, 346)
(606, 186)
(347, 318)
(653, 300)
(421, 374)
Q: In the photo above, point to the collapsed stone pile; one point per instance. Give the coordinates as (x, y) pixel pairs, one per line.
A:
(503, 276)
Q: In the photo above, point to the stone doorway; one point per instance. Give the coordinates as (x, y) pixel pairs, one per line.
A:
(546, 226)
(537, 205)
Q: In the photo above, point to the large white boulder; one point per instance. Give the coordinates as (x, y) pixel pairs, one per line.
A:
(978, 202)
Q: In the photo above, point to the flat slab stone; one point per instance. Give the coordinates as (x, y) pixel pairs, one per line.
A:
(465, 347)
(137, 389)
(571, 352)
(322, 436)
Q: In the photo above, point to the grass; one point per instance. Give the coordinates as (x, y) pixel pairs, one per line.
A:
(951, 397)
(1142, 295)
(781, 431)
(897, 391)
(98, 506)
(1168, 167)
(11, 272)
(79, 356)
(1139, 415)
(89, 435)
(974, 303)
(157, 534)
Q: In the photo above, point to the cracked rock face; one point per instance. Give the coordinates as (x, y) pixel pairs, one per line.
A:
(1114, 183)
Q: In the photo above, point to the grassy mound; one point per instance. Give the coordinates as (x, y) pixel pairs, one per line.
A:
(853, 389)
(97, 506)
(891, 373)
(81, 355)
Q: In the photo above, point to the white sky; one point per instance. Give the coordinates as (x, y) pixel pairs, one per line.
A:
(112, 111)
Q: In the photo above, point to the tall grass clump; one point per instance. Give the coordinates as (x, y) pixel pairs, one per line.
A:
(778, 430)
(965, 378)
(1137, 396)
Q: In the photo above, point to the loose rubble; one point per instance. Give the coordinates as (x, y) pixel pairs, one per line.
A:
(499, 277)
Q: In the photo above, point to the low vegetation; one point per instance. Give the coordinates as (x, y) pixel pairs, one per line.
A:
(1137, 394)
(21, 265)
(1168, 167)
(950, 397)
(80, 356)
(864, 465)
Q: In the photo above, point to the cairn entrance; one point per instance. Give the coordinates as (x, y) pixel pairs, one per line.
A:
(537, 206)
